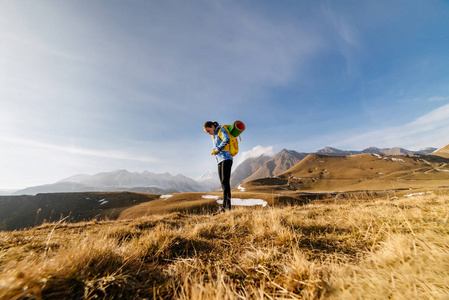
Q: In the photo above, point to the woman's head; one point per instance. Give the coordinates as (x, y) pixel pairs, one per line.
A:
(209, 127)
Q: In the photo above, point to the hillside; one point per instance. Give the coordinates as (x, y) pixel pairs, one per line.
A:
(333, 250)
(18, 212)
(443, 152)
(368, 172)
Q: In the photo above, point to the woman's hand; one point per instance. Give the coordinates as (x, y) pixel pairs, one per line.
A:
(215, 152)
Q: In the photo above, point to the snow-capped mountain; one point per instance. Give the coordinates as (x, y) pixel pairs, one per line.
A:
(335, 152)
(120, 180)
(382, 151)
(209, 180)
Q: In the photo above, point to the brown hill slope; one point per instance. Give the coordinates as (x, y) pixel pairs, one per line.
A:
(368, 172)
(202, 203)
(443, 152)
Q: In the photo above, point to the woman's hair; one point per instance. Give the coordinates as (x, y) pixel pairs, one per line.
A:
(210, 123)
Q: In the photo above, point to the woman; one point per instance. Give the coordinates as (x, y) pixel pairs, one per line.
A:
(224, 160)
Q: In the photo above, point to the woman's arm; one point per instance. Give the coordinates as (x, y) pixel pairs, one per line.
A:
(224, 141)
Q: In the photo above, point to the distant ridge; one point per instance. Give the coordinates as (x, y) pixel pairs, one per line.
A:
(382, 151)
(335, 152)
(119, 180)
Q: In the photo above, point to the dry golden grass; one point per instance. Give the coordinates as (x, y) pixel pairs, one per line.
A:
(378, 249)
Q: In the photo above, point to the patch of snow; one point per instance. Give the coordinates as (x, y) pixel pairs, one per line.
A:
(102, 201)
(245, 202)
(210, 197)
(394, 198)
(397, 159)
(418, 194)
(377, 155)
(242, 189)
(424, 161)
(165, 197)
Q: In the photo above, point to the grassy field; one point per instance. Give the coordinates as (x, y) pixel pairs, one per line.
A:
(345, 249)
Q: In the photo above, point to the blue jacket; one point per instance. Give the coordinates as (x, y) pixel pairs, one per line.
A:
(220, 144)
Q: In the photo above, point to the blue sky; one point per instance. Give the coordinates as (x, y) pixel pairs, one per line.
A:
(92, 86)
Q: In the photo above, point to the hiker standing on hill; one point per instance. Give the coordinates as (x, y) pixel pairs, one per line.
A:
(224, 160)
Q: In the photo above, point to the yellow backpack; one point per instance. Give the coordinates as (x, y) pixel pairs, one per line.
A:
(233, 145)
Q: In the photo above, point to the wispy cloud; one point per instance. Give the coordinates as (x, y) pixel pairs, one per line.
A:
(255, 152)
(346, 36)
(438, 98)
(119, 155)
(425, 99)
(429, 130)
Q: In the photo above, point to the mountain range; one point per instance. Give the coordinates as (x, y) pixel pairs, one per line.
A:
(287, 178)
(382, 151)
(264, 166)
(253, 168)
(120, 180)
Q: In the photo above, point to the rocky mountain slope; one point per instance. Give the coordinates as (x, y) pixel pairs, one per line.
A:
(279, 163)
(247, 168)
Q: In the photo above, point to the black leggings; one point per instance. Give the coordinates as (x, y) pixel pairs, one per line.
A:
(224, 172)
